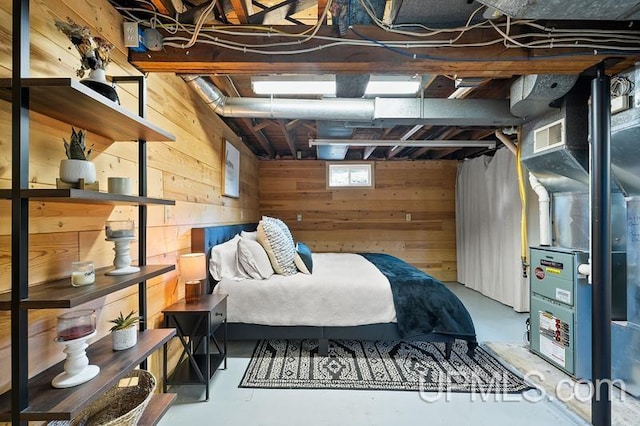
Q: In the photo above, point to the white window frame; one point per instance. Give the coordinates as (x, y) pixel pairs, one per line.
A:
(368, 165)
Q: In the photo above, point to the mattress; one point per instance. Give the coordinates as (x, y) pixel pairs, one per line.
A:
(344, 289)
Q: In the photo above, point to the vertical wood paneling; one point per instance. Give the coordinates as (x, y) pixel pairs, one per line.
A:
(370, 220)
(188, 170)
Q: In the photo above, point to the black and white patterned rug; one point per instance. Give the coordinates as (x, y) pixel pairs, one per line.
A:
(377, 365)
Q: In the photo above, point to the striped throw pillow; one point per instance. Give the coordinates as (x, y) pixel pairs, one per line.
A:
(278, 244)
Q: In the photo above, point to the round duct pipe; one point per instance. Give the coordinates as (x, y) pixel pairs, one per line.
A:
(532, 94)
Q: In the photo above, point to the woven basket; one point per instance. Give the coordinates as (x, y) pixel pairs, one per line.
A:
(122, 405)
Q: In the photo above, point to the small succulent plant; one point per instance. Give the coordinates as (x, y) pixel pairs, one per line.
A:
(122, 322)
(76, 149)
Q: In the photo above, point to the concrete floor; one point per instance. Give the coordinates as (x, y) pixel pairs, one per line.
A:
(230, 405)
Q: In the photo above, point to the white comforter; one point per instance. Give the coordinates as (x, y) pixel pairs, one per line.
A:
(344, 290)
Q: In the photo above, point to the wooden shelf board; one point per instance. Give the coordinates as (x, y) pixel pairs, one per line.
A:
(72, 195)
(48, 403)
(5, 194)
(61, 294)
(157, 408)
(68, 100)
(5, 301)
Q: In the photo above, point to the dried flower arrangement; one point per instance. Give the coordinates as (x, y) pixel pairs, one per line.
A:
(95, 52)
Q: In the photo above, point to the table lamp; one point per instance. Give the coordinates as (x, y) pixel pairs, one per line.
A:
(192, 271)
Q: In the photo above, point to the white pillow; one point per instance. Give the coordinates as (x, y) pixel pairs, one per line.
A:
(224, 261)
(278, 245)
(250, 235)
(253, 259)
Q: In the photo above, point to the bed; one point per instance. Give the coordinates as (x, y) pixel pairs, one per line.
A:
(380, 314)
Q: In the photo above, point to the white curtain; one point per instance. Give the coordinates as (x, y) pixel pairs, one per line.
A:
(488, 229)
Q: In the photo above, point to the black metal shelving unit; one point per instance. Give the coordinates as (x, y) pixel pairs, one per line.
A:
(67, 100)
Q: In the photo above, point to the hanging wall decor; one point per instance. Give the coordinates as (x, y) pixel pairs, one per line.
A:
(231, 167)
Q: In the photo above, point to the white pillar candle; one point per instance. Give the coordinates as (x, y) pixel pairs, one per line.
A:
(82, 273)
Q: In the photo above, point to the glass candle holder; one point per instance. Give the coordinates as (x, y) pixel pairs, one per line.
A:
(119, 229)
(74, 325)
(82, 273)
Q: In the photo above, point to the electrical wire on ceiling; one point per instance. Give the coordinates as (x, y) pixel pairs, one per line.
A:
(620, 86)
(543, 37)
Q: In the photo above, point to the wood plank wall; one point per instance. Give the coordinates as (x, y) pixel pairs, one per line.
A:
(188, 170)
(370, 220)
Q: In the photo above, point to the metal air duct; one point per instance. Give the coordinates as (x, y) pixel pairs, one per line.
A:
(625, 149)
(610, 10)
(562, 166)
(379, 111)
(532, 94)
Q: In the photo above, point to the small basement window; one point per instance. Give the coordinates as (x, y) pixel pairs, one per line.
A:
(350, 175)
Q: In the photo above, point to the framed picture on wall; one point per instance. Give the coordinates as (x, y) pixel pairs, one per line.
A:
(231, 171)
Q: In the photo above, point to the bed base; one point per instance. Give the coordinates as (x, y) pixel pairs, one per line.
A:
(389, 331)
(202, 239)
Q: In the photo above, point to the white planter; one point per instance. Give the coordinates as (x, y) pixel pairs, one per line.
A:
(125, 338)
(71, 171)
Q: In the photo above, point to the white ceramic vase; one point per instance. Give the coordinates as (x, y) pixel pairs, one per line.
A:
(125, 338)
(71, 171)
(97, 81)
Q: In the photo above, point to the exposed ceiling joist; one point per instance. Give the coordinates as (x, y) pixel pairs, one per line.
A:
(166, 7)
(488, 61)
(280, 12)
(368, 151)
(293, 124)
(263, 124)
(288, 137)
(242, 9)
(260, 137)
(441, 153)
(447, 134)
(322, 4)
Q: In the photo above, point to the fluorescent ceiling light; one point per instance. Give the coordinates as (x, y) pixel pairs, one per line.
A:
(326, 85)
(393, 85)
(294, 85)
(444, 143)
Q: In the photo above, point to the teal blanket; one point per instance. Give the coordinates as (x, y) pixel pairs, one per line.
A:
(423, 304)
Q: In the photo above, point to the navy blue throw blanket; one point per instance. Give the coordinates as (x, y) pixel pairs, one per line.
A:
(423, 304)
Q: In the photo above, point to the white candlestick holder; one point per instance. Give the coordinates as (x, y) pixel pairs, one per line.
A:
(76, 367)
(122, 260)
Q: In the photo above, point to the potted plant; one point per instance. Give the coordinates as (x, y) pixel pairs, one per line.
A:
(95, 55)
(124, 332)
(77, 165)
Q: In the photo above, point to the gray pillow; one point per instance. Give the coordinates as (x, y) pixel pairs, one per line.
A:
(254, 259)
(251, 235)
(224, 261)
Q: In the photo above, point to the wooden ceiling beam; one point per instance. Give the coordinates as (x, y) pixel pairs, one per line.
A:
(487, 61)
(394, 151)
(166, 7)
(242, 10)
(293, 124)
(288, 137)
(262, 139)
(322, 4)
(368, 150)
(265, 123)
(447, 134)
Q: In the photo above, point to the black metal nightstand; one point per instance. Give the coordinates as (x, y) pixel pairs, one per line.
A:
(196, 325)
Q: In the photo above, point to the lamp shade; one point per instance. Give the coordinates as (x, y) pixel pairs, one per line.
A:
(192, 267)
